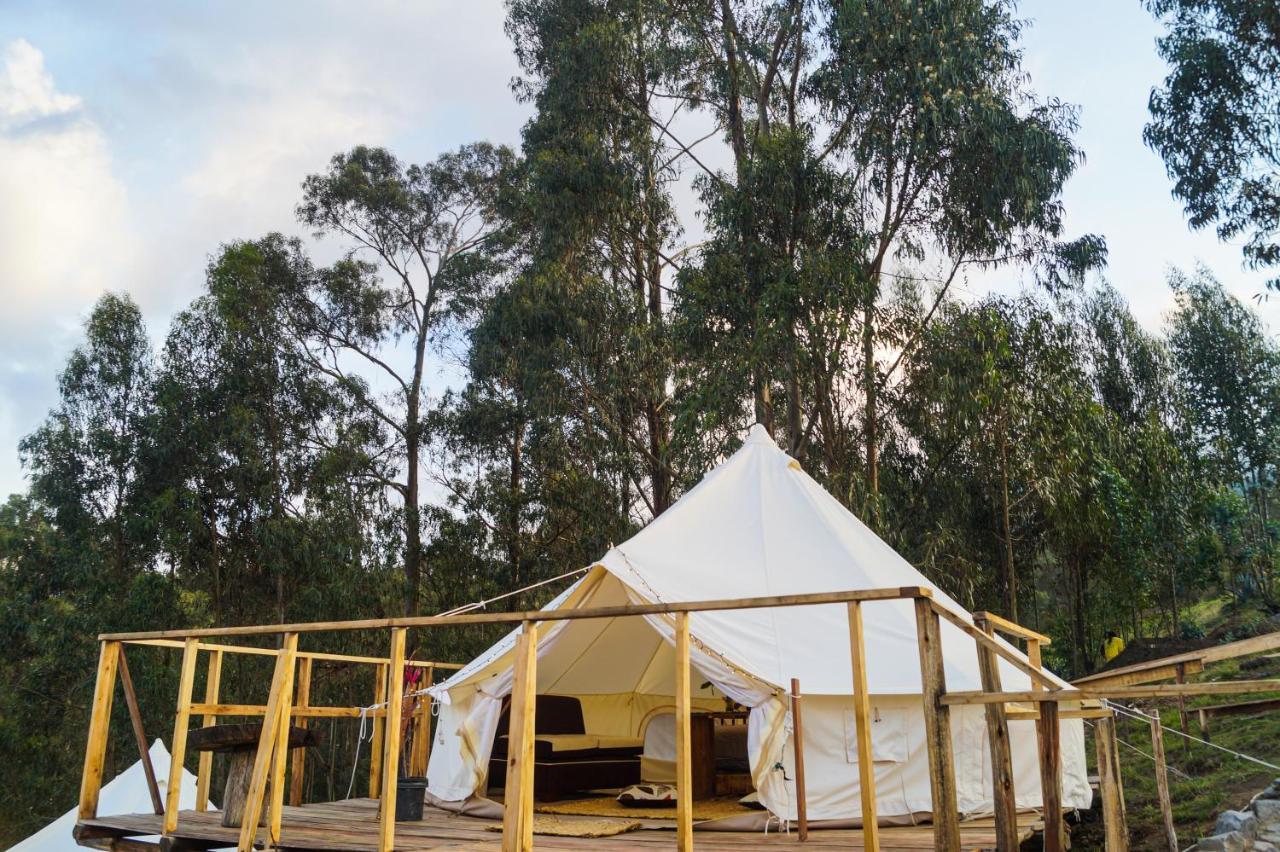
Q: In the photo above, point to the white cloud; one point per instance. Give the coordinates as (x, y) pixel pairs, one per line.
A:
(64, 234)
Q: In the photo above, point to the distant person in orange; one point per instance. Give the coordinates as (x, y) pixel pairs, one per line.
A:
(1113, 647)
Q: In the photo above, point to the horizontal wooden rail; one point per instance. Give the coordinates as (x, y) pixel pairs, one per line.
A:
(1037, 675)
(309, 712)
(1011, 628)
(307, 655)
(533, 615)
(1106, 680)
(1166, 690)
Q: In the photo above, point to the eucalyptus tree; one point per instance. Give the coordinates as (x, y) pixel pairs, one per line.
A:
(85, 460)
(1214, 118)
(417, 240)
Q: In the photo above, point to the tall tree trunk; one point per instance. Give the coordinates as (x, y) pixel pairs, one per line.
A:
(871, 414)
(1006, 528)
(515, 481)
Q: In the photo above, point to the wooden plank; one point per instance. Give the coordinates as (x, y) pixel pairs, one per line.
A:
(684, 756)
(298, 771)
(1011, 628)
(391, 756)
(797, 744)
(511, 798)
(298, 712)
(302, 655)
(937, 723)
(379, 732)
(212, 687)
(1034, 672)
(862, 724)
(178, 748)
(95, 752)
(1003, 798)
(1162, 784)
(1241, 708)
(1049, 741)
(266, 747)
(1164, 690)
(422, 727)
(535, 615)
(528, 727)
(1110, 787)
(1032, 715)
(1203, 656)
(280, 757)
(1107, 680)
(139, 734)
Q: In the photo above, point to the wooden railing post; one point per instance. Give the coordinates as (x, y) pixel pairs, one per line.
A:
(182, 721)
(1003, 799)
(379, 733)
(1110, 786)
(422, 726)
(937, 723)
(262, 762)
(95, 752)
(1162, 782)
(684, 738)
(391, 754)
(517, 815)
(1048, 731)
(862, 720)
(139, 734)
(298, 770)
(281, 756)
(212, 688)
(797, 747)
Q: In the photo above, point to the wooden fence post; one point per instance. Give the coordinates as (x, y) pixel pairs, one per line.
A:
(422, 726)
(182, 721)
(95, 752)
(1180, 676)
(391, 755)
(212, 687)
(140, 735)
(1110, 787)
(937, 724)
(862, 721)
(266, 746)
(281, 755)
(1003, 798)
(1162, 783)
(379, 733)
(1048, 736)
(298, 770)
(684, 737)
(521, 717)
(797, 745)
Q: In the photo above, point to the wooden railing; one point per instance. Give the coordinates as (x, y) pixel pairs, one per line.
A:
(293, 664)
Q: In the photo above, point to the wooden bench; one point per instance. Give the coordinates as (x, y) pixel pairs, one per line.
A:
(241, 742)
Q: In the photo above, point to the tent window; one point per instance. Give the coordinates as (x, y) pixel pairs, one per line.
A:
(888, 736)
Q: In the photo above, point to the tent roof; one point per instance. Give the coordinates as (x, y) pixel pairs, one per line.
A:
(124, 794)
(757, 526)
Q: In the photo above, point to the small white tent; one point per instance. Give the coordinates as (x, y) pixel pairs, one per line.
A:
(125, 794)
(755, 526)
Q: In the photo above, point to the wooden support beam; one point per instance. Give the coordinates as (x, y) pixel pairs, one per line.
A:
(302, 655)
(797, 746)
(1110, 787)
(937, 723)
(178, 748)
(280, 757)
(298, 712)
(1162, 784)
(379, 733)
(422, 727)
(1003, 798)
(298, 772)
(684, 739)
(1049, 740)
(528, 727)
(1164, 690)
(266, 747)
(212, 688)
(1108, 680)
(391, 755)
(95, 752)
(1011, 628)
(1035, 672)
(620, 611)
(140, 734)
(523, 690)
(862, 723)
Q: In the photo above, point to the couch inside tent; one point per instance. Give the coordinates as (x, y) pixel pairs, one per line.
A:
(756, 526)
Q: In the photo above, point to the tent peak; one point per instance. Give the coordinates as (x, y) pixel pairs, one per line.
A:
(760, 435)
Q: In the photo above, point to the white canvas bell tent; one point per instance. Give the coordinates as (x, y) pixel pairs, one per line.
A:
(125, 794)
(756, 526)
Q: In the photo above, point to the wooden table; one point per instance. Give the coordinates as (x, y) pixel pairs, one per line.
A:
(241, 742)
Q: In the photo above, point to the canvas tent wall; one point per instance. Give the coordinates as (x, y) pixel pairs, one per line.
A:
(758, 525)
(124, 794)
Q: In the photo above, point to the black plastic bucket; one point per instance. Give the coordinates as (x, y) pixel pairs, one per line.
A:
(410, 793)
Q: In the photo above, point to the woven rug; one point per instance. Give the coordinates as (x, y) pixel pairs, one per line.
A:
(556, 827)
(608, 806)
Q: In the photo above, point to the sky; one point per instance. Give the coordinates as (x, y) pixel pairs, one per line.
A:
(136, 137)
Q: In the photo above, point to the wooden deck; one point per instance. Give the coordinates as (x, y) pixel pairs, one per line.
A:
(351, 826)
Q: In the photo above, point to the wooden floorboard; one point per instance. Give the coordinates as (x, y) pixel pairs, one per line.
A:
(352, 826)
